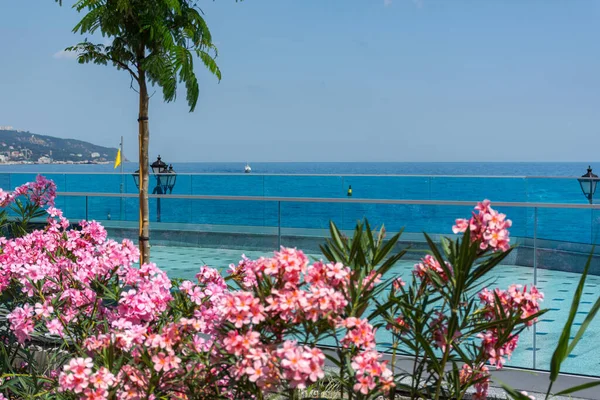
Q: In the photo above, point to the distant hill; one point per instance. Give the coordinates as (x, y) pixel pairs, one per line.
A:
(21, 146)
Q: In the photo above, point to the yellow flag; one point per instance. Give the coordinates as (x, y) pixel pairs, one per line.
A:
(118, 159)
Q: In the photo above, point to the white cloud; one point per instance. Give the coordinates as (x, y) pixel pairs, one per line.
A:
(66, 55)
(387, 3)
(418, 3)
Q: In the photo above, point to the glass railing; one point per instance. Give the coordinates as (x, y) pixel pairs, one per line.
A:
(467, 188)
(554, 241)
(572, 223)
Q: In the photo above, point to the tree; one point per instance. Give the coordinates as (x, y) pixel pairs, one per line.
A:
(154, 41)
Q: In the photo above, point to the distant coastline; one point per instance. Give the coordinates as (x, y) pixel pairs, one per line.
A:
(55, 162)
(19, 147)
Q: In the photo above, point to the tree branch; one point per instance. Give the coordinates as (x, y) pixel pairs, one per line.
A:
(126, 67)
(131, 85)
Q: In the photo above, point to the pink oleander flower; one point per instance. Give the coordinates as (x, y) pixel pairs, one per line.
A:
(430, 264)
(237, 344)
(360, 333)
(165, 362)
(488, 227)
(481, 374)
(55, 327)
(40, 192)
(301, 364)
(400, 326)
(514, 301)
(440, 332)
(334, 275)
(370, 372)
(292, 263)
(257, 371)
(242, 308)
(371, 280)
(102, 379)
(21, 322)
(364, 384)
(76, 375)
(95, 394)
(398, 283)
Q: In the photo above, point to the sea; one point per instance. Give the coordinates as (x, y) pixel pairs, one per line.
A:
(546, 188)
(519, 169)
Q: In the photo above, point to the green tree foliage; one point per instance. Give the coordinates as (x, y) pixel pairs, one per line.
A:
(158, 37)
(155, 42)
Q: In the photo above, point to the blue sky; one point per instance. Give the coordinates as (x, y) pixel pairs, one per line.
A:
(333, 80)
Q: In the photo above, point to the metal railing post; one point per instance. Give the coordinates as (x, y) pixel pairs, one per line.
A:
(535, 224)
(87, 208)
(278, 224)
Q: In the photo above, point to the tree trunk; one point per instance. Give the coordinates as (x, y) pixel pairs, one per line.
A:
(144, 136)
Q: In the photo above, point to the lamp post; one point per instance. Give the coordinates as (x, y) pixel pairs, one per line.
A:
(165, 180)
(171, 178)
(588, 182)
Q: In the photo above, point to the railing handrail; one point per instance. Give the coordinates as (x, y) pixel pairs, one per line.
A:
(333, 200)
(293, 175)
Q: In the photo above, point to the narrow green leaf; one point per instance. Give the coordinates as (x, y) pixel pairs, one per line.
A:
(387, 248)
(561, 351)
(336, 236)
(578, 388)
(588, 319)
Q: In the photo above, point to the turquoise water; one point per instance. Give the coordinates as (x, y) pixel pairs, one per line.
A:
(569, 225)
(558, 288)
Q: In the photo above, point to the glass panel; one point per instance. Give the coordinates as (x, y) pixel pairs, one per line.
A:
(554, 190)
(304, 186)
(215, 233)
(73, 207)
(5, 183)
(564, 225)
(389, 187)
(478, 188)
(95, 183)
(103, 208)
(226, 185)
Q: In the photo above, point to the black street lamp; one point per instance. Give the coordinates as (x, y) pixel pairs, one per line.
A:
(158, 168)
(171, 178)
(165, 180)
(588, 183)
(136, 178)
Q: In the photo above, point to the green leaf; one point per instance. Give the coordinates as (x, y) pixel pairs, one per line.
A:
(387, 248)
(561, 351)
(438, 256)
(588, 319)
(486, 267)
(336, 236)
(578, 388)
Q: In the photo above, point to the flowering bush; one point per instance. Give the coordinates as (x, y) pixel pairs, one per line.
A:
(132, 333)
(445, 315)
(26, 203)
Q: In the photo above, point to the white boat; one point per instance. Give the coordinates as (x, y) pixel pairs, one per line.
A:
(247, 169)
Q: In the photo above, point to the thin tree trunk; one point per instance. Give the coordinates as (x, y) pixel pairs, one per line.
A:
(144, 136)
